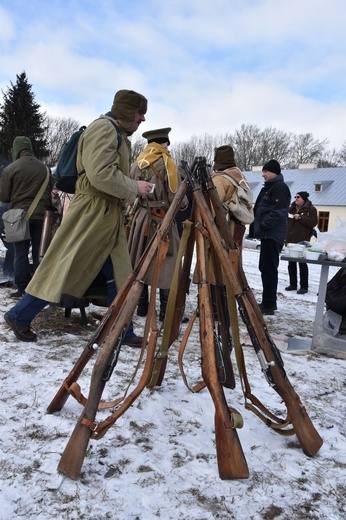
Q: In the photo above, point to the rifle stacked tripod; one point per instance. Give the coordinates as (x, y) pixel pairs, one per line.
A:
(208, 231)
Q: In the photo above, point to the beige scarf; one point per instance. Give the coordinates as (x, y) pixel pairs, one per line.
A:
(151, 154)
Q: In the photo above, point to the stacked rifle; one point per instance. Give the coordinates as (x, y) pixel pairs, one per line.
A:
(209, 233)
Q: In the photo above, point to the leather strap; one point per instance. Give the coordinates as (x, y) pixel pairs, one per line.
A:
(201, 384)
(167, 324)
(38, 196)
(251, 401)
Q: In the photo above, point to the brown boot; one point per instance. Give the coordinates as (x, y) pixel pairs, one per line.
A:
(22, 333)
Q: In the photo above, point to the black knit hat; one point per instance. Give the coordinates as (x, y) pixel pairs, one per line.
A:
(224, 158)
(272, 166)
(303, 194)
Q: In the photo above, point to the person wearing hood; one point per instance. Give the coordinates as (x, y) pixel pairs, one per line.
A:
(270, 225)
(21, 180)
(302, 220)
(156, 165)
(225, 174)
(91, 238)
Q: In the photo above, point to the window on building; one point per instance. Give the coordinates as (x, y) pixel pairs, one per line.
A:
(323, 221)
(318, 187)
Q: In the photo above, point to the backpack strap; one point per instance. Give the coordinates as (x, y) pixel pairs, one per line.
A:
(112, 119)
(39, 194)
(118, 136)
(242, 183)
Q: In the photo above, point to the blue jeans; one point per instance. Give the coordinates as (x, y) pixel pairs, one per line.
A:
(22, 272)
(29, 306)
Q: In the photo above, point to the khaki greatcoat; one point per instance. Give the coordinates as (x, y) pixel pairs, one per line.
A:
(92, 228)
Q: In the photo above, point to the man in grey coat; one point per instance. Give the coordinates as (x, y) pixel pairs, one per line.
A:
(91, 237)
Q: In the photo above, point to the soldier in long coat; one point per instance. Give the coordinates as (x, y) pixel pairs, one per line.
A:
(91, 237)
(156, 165)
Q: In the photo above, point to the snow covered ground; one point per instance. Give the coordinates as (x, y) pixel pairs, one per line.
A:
(159, 460)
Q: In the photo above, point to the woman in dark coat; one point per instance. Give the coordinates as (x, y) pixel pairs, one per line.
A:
(302, 219)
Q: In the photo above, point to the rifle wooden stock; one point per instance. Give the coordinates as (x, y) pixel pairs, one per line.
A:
(73, 456)
(307, 435)
(230, 456)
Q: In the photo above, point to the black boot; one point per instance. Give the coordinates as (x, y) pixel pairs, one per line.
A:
(143, 303)
(291, 287)
(164, 294)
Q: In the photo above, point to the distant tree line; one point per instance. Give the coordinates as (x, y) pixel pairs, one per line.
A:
(20, 114)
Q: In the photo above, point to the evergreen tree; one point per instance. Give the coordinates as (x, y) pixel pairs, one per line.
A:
(20, 115)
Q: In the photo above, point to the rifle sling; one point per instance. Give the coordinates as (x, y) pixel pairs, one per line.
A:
(201, 384)
(161, 355)
(255, 404)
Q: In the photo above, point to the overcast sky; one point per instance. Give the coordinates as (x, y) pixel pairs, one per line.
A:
(206, 66)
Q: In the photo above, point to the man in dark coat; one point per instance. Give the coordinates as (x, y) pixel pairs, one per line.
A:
(302, 220)
(21, 181)
(270, 225)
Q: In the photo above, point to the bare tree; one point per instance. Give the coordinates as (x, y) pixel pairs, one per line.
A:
(330, 159)
(246, 143)
(199, 146)
(306, 149)
(273, 144)
(185, 151)
(137, 145)
(342, 154)
(57, 133)
(253, 147)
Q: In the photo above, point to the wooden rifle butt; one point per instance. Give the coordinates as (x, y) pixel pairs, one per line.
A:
(230, 455)
(307, 435)
(72, 459)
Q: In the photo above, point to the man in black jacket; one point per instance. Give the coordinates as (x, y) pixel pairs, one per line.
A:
(270, 225)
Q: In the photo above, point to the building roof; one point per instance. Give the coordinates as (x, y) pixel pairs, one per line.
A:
(326, 186)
